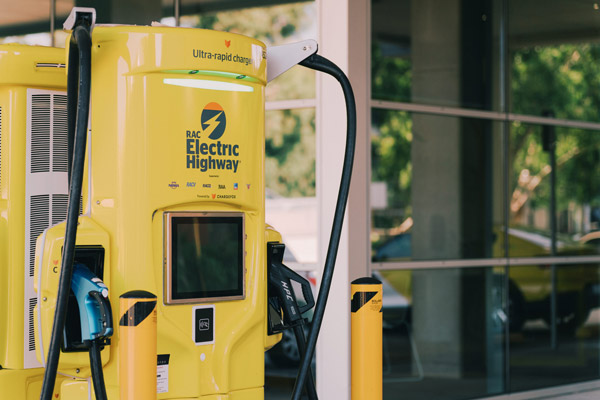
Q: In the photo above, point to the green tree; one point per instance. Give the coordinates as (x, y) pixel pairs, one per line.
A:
(290, 134)
(391, 136)
(290, 148)
(564, 80)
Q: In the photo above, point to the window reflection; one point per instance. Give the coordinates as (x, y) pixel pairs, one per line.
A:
(444, 329)
(443, 333)
(436, 187)
(554, 58)
(536, 359)
(575, 196)
(439, 53)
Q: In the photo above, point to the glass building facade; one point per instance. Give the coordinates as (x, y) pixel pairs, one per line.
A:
(484, 166)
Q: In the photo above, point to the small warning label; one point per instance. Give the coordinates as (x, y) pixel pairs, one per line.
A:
(162, 373)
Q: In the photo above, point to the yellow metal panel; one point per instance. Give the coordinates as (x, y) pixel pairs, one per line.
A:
(32, 66)
(24, 384)
(21, 68)
(13, 224)
(75, 389)
(88, 234)
(153, 49)
(271, 235)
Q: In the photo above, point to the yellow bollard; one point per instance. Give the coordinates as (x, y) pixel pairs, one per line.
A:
(137, 346)
(367, 334)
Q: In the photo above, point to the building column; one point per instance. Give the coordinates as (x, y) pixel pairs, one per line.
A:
(344, 30)
(435, 50)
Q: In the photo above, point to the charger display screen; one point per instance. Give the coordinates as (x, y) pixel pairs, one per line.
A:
(206, 257)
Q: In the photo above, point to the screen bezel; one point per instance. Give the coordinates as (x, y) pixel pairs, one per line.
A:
(167, 261)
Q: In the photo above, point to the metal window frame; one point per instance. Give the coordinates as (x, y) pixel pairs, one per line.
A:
(492, 116)
(486, 262)
(480, 114)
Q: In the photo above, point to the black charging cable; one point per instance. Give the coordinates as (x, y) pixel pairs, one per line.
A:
(78, 87)
(96, 367)
(322, 64)
(311, 389)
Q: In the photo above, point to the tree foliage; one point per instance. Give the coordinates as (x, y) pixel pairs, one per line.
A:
(290, 134)
(563, 80)
(391, 135)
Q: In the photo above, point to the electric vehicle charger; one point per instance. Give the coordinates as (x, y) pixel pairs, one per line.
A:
(232, 217)
(33, 185)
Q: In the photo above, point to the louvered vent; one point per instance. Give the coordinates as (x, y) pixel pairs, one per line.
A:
(40, 133)
(59, 134)
(39, 217)
(59, 208)
(45, 190)
(32, 304)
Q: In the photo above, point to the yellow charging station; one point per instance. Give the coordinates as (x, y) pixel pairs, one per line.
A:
(176, 167)
(33, 193)
(166, 210)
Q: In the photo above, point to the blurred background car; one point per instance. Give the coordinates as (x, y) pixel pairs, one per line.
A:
(529, 287)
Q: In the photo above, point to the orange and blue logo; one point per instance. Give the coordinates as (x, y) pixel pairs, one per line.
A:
(213, 120)
(214, 155)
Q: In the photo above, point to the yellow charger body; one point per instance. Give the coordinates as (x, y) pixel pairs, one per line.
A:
(33, 187)
(176, 131)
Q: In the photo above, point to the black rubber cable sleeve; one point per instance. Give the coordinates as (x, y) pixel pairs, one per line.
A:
(322, 64)
(81, 44)
(72, 89)
(97, 374)
(310, 387)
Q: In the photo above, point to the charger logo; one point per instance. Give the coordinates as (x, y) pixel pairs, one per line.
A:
(214, 155)
(213, 121)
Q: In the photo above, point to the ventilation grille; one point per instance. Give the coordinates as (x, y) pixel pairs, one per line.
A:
(45, 190)
(59, 134)
(48, 133)
(39, 217)
(48, 154)
(59, 208)
(32, 304)
(40, 213)
(40, 133)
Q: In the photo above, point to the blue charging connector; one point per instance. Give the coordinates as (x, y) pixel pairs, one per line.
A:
(94, 308)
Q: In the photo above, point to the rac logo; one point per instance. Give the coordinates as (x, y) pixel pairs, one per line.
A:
(213, 120)
(208, 155)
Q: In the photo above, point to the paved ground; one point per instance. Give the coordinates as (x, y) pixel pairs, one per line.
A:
(534, 365)
(284, 393)
(587, 395)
